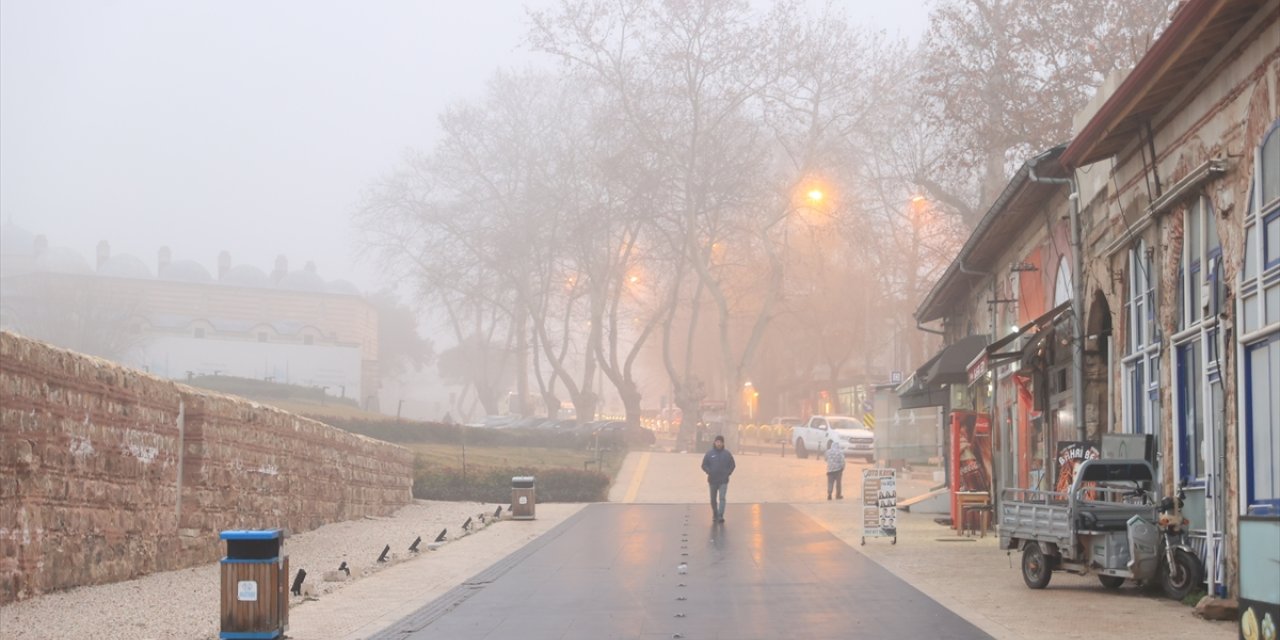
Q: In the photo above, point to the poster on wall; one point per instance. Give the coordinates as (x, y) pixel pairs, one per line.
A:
(1070, 456)
(970, 456)
(973, 444)
(879, 504)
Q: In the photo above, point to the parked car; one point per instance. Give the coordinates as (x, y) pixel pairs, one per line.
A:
(524, 423)
(559, 425)
(492, 422)
(846, 432)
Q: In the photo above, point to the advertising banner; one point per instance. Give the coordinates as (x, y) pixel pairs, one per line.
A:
(1070, 455)
(879, 504)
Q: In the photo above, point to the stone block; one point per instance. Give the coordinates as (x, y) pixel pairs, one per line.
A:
(1212, 608)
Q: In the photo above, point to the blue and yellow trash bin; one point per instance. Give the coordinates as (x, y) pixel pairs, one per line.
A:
(255, 577)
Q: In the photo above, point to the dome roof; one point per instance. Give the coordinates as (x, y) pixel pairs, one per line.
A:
(246, 276)
(185, 271)
(16, 241)
(125, 266)
(61, 260)
(17, 250)
(343, 286)
(302, 281)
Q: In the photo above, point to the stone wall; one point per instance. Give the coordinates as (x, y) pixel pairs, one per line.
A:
(108, 473)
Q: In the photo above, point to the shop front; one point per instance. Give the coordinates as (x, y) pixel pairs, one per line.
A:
(942, 382)
(1022, 383)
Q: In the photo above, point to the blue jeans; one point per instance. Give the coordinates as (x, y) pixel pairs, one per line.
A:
(717, 506)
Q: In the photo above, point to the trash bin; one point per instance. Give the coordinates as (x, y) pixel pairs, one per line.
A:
(522, 498)
(255, 579)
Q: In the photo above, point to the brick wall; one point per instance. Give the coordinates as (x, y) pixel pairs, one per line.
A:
(107, 473)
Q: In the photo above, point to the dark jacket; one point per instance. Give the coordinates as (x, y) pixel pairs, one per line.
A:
(718, 465)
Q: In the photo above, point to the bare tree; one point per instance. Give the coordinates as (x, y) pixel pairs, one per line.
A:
(1003, 79)
(90, 315)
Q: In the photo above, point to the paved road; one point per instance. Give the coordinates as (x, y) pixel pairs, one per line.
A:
(786, 564)
(612, 571)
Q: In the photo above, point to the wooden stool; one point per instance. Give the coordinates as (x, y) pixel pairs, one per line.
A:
(969, 500)
(979, 514)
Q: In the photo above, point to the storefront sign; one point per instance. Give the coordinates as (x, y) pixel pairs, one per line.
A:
(1070, 456)
(977, 368)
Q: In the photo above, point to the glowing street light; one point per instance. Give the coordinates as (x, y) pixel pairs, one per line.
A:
(815, 195)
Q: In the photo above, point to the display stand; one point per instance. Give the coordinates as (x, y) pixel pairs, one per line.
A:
(879, 504)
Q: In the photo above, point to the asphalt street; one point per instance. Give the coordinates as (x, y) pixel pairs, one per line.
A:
(615, 571)
(787, 563)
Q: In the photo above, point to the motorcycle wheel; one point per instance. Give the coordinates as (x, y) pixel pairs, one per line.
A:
(1111, 582)
(1182, 577)
(801, 452)
(1035, 567)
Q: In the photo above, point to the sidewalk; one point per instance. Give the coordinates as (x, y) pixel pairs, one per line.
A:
(981, 583)
(369, 606)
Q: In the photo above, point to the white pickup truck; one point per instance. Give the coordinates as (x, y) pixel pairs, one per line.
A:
(853, 438)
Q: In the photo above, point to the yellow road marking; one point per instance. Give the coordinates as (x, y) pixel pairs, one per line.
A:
(637, 478)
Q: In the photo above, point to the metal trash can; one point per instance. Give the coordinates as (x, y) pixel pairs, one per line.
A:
(523, 498)
(255, 580)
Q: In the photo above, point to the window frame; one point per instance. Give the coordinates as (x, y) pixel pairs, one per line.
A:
(1258, 277)
(1140, 391)
(1196, 359)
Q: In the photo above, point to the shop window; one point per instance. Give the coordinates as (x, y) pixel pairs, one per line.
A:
(1259, 312)
(1201, 250)
(1195, 343)
(1262, 423)
(1190, 411)
(1141, 363)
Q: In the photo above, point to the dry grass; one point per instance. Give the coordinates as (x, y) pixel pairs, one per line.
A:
(319, 411)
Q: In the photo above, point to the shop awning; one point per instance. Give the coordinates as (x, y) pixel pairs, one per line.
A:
(948, 366)
(1001, 351)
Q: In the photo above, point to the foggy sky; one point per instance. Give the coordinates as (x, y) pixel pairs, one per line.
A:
(245, 126)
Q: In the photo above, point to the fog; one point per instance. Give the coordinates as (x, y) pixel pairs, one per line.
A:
(245, 127)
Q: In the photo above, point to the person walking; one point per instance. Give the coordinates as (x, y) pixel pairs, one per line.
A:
(718, 464)
(835, 470)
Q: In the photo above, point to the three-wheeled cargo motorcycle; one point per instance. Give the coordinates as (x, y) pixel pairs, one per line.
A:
(1106, 524)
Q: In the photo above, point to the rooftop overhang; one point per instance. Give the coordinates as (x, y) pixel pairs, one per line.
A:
(1019, 205)
(1198, 31)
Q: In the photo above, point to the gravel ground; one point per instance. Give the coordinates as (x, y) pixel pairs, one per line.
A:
(184, 604)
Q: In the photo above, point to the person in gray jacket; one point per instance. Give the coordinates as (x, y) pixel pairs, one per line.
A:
(835, 470)
(718, 464)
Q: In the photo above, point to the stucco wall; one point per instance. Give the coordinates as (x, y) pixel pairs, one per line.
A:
(107, 473)
(1221, 114)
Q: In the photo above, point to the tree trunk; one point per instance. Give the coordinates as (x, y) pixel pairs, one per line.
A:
(630, 401)
(584, 404)
(522, 363)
